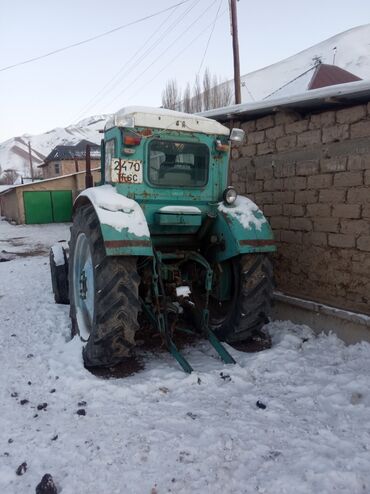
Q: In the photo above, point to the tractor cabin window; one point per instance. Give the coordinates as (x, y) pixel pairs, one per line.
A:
(178, 164)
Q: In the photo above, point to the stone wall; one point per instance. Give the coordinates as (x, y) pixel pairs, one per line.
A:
(311, 176)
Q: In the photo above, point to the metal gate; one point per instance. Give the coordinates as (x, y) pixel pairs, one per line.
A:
(53, 206)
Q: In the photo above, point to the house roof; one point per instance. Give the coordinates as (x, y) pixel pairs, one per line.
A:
(318, 76)
(77, 151)
(316, 99)
(30, 184)
(330, 75)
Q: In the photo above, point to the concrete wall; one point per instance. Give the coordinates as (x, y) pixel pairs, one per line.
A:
(311, 176)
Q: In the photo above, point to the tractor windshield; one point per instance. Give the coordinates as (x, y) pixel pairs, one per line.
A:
(178, 163)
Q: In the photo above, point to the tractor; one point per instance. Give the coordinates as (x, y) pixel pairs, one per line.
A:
(164, 239)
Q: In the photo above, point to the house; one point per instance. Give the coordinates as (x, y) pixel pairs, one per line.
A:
(65, 160)
(43, 201)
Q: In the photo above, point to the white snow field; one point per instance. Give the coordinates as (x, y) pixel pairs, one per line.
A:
(161, 430)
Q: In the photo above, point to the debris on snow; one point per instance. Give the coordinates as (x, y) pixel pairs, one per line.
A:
(21, 469)
(261, 405)
(46, 486)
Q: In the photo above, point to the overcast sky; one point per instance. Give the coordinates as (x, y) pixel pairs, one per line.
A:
(62, 89)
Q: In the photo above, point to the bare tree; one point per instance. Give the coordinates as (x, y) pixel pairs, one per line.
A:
(211, 93)
(221, 93)
(9, 177)
(207, 89)
(187, 103)
(197, 96)
(171, 95)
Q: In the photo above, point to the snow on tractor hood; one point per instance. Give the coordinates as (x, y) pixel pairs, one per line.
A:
(245, 211)
(160, 118)
(117, 211)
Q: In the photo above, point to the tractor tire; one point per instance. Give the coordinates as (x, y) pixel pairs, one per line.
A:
(103, 294)
(251, 304)
(59, 274)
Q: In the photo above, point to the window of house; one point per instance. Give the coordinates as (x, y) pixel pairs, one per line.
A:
(57, 168)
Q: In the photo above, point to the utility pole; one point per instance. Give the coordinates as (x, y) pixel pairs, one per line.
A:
(234, 33)
(30, 158)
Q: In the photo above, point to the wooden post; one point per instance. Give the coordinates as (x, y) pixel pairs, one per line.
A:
(30, 158)
(88, 177)
(234, 32)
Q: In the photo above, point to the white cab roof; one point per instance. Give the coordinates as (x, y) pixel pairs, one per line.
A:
(159, 118)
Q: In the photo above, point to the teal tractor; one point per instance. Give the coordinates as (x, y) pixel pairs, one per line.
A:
(164, 239)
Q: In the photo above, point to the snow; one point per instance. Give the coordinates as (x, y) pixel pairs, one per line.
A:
(183, 291)
(117, 211)
(14, 151)
(180, 209)
(351, 54)
(162, 118)
(58, 254)
(164, 431)
(245, 211)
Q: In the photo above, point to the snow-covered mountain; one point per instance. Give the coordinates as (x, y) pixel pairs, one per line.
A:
(348, 50)
(14, 151)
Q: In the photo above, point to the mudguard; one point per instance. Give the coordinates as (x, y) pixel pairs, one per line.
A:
(242, 228)
(122, 221)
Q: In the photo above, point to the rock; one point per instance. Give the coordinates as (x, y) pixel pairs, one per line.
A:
(42, 406)
(82, 403)
(21, 469)
(24, 402)
(225, 377)
(261, 405)
(81, 411)
(46, 486)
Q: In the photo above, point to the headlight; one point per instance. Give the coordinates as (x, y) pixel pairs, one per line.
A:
(229, 196)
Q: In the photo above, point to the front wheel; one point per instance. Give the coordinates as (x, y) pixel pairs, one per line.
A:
(103, 294)
(248, 281)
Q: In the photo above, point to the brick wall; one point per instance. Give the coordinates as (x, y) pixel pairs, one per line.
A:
(67, 167)
(311, 176)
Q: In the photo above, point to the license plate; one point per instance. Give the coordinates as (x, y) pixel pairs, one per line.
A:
(127, 171)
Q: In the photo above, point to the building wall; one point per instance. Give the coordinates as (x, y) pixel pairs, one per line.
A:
(12, 204)
(67, 167)
(311, 176)
(9, 206)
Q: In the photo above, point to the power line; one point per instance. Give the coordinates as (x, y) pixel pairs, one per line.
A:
(127, 66)
(160, 55)
(93, 38)
(209, 38)
(177, 55)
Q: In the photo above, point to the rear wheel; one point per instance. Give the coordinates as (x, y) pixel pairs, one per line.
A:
(59, 273)
(103, 294)
(246, 310)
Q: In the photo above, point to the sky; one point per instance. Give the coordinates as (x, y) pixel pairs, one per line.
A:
(132, 65)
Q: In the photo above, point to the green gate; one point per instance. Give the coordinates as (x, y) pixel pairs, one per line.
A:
(47, 206)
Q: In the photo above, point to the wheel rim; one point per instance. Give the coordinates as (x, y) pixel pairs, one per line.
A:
(83, 286)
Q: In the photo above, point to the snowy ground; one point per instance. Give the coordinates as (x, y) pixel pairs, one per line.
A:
(161, 430)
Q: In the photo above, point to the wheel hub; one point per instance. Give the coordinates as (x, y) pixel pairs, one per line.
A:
(83, 285)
